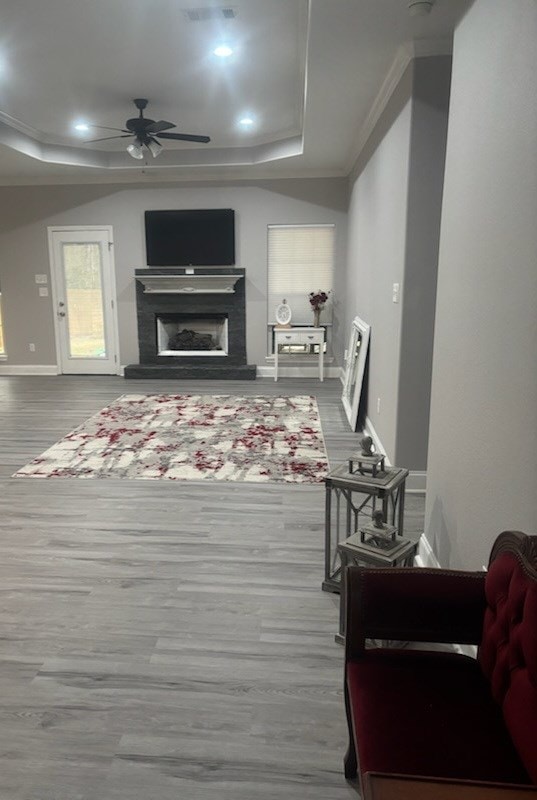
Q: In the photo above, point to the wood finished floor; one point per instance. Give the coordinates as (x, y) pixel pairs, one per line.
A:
(164, 639)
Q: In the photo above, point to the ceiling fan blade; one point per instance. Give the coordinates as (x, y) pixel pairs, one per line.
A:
(184, 137)
(106, 138)
(161, 125)
(106, 128)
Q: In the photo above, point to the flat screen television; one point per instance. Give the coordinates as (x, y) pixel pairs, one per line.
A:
(190, 237)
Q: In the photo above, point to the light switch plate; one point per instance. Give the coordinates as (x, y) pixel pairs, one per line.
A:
(41, 279)
(395, 293)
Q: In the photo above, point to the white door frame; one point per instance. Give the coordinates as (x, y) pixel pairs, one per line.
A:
(114, 333)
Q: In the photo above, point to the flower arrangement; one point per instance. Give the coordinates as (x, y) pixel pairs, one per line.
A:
(318, 299)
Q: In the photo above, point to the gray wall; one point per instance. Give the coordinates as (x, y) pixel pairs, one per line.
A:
(394, 228)
(25, 213)
(430, 107)
(482, 473)
(376, 252)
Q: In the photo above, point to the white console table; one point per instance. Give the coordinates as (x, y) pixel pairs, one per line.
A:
(299, 336)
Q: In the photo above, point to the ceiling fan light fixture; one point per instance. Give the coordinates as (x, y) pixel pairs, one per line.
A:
(142, 131)
(135, 150)
(155, 148)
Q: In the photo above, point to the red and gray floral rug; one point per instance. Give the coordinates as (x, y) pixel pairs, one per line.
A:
(193, 437)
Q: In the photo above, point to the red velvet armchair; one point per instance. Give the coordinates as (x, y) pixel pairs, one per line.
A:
(444, 714)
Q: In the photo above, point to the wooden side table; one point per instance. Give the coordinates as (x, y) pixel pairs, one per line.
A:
(350, 499)
(299, 336)
(353, 550)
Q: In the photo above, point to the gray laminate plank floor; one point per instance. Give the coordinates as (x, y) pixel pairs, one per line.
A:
(164, 639)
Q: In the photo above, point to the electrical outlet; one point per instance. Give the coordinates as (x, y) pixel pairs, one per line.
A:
(395, 293)
(32, 347)
(378, 405)
(43, 291)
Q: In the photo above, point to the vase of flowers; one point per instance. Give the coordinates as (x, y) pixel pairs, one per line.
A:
(317, 301)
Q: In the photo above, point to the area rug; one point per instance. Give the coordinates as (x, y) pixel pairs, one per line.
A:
(193, 437)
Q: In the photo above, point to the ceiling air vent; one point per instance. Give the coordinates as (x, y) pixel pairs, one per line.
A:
(209, 13)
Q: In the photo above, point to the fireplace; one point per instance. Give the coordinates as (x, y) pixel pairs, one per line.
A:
(186, 335)
(191, 324)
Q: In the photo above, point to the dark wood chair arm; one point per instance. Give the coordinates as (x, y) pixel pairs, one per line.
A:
(413, 604)
(385, 786)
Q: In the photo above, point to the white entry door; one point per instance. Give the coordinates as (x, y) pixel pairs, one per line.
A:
(84, 300)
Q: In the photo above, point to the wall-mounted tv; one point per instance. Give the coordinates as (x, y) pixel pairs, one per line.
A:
(190, 237)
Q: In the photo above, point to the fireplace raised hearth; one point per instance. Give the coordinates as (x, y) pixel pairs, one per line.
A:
(191, 324)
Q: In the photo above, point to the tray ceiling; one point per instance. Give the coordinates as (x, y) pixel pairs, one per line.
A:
(307, 72)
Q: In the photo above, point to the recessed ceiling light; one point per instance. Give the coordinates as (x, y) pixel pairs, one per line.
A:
(223, 50)
(82, 127)
(246, 121)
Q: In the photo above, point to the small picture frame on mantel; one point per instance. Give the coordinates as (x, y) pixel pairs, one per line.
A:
(283, 315)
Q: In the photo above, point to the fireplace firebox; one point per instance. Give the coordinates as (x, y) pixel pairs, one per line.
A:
(185, 335)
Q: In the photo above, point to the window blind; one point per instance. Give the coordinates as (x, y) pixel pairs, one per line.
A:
(300, 261)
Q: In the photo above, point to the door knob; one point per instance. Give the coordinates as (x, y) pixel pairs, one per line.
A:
(61, 313)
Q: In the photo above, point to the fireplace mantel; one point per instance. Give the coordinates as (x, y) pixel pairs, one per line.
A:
(193, 282)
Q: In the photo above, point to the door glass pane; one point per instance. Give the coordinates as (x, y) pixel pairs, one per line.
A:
(84, 300)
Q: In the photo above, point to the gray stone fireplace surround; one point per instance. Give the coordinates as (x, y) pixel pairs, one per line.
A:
(191, 294)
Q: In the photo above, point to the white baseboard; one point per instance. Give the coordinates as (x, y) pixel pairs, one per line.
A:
(297, 372)
(29, 369)
(417, 480)
(370, 430)
(426, 556)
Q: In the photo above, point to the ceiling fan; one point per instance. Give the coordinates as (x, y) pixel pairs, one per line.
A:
(145, 132)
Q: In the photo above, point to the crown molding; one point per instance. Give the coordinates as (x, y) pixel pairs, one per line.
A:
(194, 176)
(211, 158)
(22, 127)
(421, 48)
(402, 59)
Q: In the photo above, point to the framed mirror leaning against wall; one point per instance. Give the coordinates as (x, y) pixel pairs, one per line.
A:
(355, 369)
